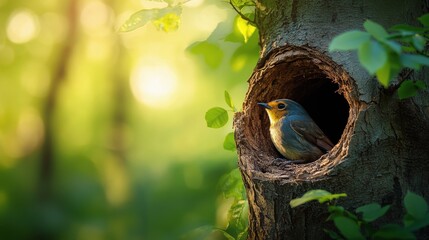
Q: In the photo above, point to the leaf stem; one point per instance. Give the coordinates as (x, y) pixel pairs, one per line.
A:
(241, 14)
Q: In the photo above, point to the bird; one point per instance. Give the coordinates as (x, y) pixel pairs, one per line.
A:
(294, 133)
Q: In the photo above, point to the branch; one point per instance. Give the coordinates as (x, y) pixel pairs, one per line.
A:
(406, 74)
(240, 13)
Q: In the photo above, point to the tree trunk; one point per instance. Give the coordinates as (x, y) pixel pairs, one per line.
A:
(381, 148)
(47, 159)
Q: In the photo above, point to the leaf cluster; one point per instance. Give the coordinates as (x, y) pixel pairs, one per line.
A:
(241, 35)
(166, 19)
(232, 187)
(359, 225)
(245, 9)
(385, 53)
(217, 117)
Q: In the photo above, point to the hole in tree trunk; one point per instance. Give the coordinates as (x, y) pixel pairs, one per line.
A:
(310, 78)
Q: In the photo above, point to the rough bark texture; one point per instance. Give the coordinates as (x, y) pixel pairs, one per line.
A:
(381, 148)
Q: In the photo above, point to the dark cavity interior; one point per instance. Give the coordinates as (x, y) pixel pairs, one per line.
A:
(314, 89)
(326, 106)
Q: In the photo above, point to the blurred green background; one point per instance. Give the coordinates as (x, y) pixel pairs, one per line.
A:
(102, 134)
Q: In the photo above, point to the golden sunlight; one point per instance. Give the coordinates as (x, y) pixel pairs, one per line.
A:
(154, 85)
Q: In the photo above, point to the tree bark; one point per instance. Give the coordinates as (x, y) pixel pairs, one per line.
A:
(381, 149)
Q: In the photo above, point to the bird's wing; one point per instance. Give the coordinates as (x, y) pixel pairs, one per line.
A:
(312, 133)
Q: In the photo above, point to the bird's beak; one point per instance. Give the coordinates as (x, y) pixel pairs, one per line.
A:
(265, 105)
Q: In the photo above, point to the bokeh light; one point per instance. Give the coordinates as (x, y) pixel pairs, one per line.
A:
(22, 27)
(95, 17)
(119, 116)
(154, 85)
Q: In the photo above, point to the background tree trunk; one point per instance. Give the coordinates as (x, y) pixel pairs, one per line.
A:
(47, 159)
(381, 148)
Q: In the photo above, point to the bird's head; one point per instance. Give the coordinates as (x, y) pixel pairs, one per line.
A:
(281, 107)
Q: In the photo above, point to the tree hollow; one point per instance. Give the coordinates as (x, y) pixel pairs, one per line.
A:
(312, 79)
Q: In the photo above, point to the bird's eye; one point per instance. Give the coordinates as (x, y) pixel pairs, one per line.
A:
(281, 106)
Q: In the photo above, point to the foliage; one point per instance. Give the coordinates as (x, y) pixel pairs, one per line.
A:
(218, 117)
(242, 35)
(122, 168)
(385, 53)
(246, 28)
(409, 88)
(211, 53)
(242, 39)
(359, 225)
(245, 9)
(229, 142)
(231, 184)
(232, 187)
(318, 194)
(166, 19)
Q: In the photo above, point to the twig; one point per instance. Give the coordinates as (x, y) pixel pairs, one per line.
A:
(240, 13)
(404, 77)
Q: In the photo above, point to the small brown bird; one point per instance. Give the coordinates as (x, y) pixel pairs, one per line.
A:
(294, 134)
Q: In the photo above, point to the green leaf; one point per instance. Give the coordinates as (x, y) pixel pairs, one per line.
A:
(416, 224)
(408, 220)
(242, 3)
(393, 231)
(414, 61)
(372, 211)
(336, 209)
(348, 228)
(211, 53)
(395, 64)
(229, 101)
(415, 205)
(384, 74)
(407, 29)
(421, 85)
(216, 117)
(229, 142)
(245, 55)
(234, 36)
(424, 19)
(394, 46)
(376, 30)
(139, 19)
(235, 215)
(243, 234)
(231, 185)
(318, 194)
(408, 49)
(246, 29)
(335, 212)
(409, 89)
(349, 40)
(419, 42)
(372, 56)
